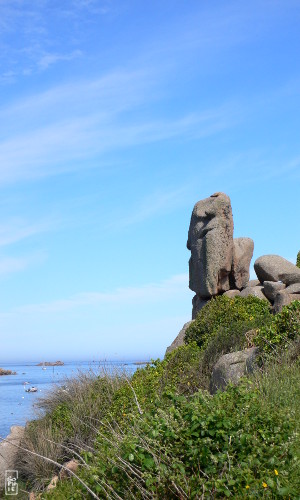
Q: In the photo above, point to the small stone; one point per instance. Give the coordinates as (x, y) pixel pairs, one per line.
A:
(231, 367)
(284, 299)
(232, 293)
(252, 283)
(255, 291)
(271, 288)
(72, 466)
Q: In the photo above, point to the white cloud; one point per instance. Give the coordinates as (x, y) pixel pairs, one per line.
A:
(153, 292)
(50, 59)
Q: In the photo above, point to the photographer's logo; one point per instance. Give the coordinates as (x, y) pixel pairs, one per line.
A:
(11, 482)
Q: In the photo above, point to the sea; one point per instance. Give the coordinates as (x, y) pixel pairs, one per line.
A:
(18, 406)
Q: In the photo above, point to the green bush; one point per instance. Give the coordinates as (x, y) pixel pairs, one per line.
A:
(178, 372)
(298, 259)
(284, 328)
(231, 316)
(241, 443)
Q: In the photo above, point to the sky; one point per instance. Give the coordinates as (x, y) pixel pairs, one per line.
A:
(116, 117)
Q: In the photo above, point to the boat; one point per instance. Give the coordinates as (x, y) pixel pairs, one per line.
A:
(31, 389)
(43, 367)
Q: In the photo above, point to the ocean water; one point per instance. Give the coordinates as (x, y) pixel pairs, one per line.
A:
(17, 406)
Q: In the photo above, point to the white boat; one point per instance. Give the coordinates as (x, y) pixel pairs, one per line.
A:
(31, 389)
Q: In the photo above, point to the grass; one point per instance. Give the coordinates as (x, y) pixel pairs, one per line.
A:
(160, 434)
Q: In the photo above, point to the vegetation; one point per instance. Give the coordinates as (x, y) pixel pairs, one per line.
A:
(284, 328)
(225, 321)
(298, 259)
(160, 434)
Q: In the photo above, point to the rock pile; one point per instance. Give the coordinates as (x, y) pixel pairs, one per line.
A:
(220, 263)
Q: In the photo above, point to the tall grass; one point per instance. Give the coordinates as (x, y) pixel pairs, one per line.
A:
(66, 422)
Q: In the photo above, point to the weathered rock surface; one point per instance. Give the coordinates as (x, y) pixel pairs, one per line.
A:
(276, 268)
(271, 288)
(198, 303)
(231, 367)
(9, 451)
(255, 291)
(210, 240)
(284, 299)
(180, 338)
(71, 465)
(252, 283)
(232, 293)
(290, 278)
(242, 255)
(295, 288)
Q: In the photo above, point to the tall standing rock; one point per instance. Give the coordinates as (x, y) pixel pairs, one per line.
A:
(242, 255)
(210, 241)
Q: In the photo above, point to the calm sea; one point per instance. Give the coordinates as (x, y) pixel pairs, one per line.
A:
(17, 406)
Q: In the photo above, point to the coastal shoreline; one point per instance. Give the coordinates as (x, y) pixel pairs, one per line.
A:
(8, 451)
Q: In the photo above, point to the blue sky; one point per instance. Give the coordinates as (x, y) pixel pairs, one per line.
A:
(116, 117)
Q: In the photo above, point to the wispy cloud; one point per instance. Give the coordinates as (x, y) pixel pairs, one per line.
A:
(50, 59)
(155, 203)
(59, 130)
(15, 264)
(148, 293)
(17, 229)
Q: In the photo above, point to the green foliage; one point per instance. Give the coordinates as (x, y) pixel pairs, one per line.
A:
(284, 328)
(229, 317)
(298, 259)
(243, 443)
(179, 371)
(61, 418)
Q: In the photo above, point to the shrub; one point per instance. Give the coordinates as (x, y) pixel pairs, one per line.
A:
(232, 316)
(298, 259)
(284, 328)
(241, 443)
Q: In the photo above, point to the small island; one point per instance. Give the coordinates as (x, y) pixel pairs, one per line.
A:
(51, 363)
(7, 372)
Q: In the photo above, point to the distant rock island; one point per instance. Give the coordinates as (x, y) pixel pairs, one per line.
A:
(7, 372)
(51, 363)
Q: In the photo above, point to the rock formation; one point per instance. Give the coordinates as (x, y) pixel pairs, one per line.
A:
(276, 268)
(242, 255)
(220, 264)
(180, 338)
(51, 363)
(210, 240)
(7, 372)
(231, 367)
